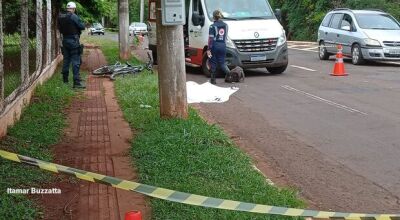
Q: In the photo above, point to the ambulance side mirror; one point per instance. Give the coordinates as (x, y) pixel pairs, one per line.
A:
(148, 26)
(278, 14)
(197, 19)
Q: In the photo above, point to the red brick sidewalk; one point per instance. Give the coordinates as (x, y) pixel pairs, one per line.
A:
(97, 140)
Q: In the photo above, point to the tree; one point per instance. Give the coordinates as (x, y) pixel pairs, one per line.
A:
(301, 18)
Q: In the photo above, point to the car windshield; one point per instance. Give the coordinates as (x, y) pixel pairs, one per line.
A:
(377, 21)
(97, 26)
(240, 9)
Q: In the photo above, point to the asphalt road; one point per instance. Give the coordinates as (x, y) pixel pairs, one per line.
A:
(335, 139)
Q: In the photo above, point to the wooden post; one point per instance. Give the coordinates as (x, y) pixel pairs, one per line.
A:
(171, 71)
(48, 31)
(39, 38)
(1, 58)
(123, 11)
(24, 41)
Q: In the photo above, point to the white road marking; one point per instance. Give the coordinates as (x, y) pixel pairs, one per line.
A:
(301, 42)
(305, 50)
(337, 105)
(303, 68)
(312, 48)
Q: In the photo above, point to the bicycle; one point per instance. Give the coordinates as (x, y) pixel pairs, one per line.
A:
(122, 69)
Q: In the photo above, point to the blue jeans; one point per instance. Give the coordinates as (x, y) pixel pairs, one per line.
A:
(71, 52)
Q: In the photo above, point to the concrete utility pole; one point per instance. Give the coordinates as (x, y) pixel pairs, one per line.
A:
(141, 10)
(123, 11)
(171, 69)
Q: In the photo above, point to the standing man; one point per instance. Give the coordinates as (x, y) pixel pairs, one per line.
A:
(218, 33)
(71, 27)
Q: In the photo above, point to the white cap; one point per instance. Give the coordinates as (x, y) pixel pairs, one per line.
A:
(71, 5)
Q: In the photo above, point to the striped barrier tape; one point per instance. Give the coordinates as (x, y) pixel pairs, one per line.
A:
(190, 199)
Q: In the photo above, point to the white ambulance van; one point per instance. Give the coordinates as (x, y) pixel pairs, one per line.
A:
(256, 39)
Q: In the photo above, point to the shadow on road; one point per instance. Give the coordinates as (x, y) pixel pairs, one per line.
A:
(369, 63)
(248, 72)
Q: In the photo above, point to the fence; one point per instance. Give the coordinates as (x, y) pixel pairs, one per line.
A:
(38, 44)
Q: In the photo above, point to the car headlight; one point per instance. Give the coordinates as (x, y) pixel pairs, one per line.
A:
(229, 43)
(372, 42)
(281, 39)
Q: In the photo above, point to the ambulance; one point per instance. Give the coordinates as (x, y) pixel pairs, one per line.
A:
(256, 39)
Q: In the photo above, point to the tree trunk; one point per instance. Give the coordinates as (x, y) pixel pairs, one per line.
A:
(1, 58)
(24, 41)
(48, 28)
(171, 71)
(39, 39)
(123, 11)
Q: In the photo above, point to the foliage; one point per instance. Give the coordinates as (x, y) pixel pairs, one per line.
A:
(90, 11)
(12, 17)
(13, 40)
(303, 17)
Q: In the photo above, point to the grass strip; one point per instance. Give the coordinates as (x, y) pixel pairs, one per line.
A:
(40, 127)
(189, 156)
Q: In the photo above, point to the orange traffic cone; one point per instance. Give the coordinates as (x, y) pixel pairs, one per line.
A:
(339, 64)
(133, 215)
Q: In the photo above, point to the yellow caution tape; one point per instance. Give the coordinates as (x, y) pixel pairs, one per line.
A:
(191, 199)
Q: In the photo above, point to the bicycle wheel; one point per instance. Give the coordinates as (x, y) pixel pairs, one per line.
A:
(123, 72)
(102, 71)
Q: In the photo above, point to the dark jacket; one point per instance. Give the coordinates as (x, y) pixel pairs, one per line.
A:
(218, 33)
(69, 24)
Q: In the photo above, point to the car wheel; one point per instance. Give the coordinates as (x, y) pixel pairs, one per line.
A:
(356, 55)
(323, 53)
(205, 66)
(277, 70)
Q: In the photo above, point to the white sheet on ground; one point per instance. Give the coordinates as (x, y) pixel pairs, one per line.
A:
(208, 93)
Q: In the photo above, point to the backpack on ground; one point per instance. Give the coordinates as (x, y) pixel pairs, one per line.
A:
(235, 75)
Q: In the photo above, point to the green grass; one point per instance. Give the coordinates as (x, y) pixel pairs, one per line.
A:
(190, 156)
(12, 77)
(11, 81)
(40, 126)
(109, 48)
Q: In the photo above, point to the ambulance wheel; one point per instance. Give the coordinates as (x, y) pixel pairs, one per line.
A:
(277, 70)
(205, 66)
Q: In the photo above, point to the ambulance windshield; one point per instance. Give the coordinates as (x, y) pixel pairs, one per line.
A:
(240, 9)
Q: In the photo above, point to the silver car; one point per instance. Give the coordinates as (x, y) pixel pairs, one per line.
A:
(364, 35)
(137, 28)
(96, 28)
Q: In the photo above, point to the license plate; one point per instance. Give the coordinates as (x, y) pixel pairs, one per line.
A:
(392, 51)
(258, 58)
